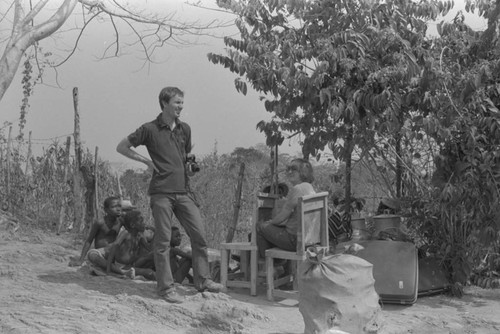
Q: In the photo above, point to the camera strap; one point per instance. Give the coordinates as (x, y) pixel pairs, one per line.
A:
(183, 156)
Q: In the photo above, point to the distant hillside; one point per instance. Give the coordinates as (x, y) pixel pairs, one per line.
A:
(120, 167)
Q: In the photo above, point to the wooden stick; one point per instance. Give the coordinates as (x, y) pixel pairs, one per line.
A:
(78, 202)
(62, 210)
(28, 157)
(276, 174)
(237, 204)
(120, 193)
(76, 134)
(9, 148)
(274, 170)
(96, 184)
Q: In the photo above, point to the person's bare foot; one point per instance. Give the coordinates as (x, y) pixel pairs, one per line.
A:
(130, 273)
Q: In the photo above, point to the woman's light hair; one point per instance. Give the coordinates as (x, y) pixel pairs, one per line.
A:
(306, 172)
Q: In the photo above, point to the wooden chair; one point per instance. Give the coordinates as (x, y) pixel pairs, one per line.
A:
(248, 250)
(312, 230)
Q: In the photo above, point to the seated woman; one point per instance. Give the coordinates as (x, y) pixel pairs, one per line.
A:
(281, 231)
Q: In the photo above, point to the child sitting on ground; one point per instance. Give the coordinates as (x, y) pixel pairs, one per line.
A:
(180, 261)
(145, 264)
(122, 254)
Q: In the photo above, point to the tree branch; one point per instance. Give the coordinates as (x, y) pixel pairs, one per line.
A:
(34, 12)
(6, 12)
(77, 40)
(50, 26)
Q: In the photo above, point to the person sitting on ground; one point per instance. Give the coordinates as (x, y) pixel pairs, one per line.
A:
(281, 231)
(119, 257)
(137, 250)
(102, 233)
(145, 265)
(180, 261)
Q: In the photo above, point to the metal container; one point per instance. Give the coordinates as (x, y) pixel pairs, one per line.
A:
(359, 230)
(358, 223)
(386, 222)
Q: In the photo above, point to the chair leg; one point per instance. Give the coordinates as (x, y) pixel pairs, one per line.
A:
(253, 272)
(244, 264)
(224, 266)
(294, 275)
(270, 277)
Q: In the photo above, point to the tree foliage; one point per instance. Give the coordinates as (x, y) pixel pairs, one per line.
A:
(337, 73)
(346, 74)
(461, 217)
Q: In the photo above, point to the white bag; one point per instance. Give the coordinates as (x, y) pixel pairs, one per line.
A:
(337, 292)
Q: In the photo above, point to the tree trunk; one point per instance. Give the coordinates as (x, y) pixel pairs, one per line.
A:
(399, 166)
(24, 35)
(348, 163)
(9, 63)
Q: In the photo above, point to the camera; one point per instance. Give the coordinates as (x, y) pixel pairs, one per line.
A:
(191, 165)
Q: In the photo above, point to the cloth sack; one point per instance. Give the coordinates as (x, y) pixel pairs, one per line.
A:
(337, 292)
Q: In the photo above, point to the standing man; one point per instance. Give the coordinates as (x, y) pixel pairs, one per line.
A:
(168, 141)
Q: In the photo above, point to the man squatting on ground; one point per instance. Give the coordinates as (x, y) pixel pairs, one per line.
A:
(102, 233)
(168, 141)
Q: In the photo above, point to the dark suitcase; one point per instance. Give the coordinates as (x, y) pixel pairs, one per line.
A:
(432, 278)
(395, 269)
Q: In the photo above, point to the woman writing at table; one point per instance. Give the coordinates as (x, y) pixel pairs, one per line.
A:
(281, 231)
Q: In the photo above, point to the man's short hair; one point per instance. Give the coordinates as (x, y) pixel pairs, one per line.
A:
(133, 220)
(107, 201)
(167, 93)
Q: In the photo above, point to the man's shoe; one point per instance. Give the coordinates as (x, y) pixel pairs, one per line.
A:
(211, 286)
(172, 297)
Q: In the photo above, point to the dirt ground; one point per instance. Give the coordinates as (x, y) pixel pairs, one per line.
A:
(40, 293)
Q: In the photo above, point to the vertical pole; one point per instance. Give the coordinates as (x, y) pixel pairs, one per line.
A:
(76, 134)
(28, 157)
(271, 190)
(9, 153)
(237, 204)
(96, 184)
(1, 163)
(276, 176)
(78, 201)
(62, 210)
(120, 193)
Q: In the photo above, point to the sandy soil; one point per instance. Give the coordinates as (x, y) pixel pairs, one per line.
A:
(39, 293)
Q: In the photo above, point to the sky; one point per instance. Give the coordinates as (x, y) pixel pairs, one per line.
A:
(117, 95)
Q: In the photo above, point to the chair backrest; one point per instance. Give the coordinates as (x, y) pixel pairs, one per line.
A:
(312, 211)
(262, 212)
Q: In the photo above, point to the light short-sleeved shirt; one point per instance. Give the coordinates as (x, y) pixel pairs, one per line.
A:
(292, 199)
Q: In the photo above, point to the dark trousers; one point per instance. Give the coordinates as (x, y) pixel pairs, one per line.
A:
(181, 206)
(271, 236)
(180, 268)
